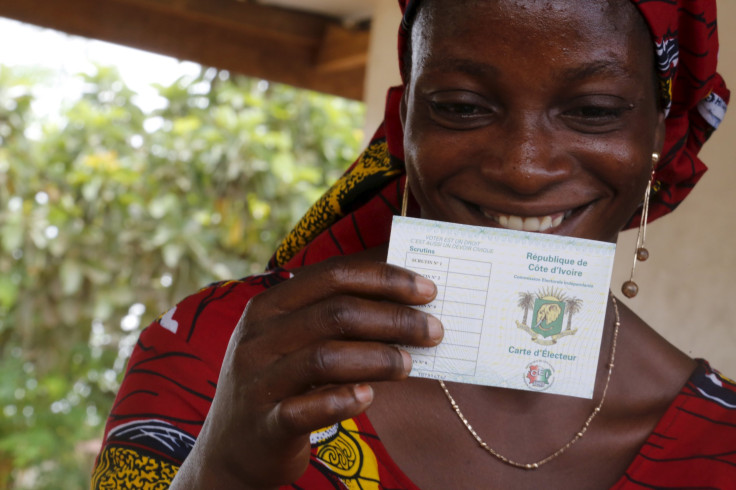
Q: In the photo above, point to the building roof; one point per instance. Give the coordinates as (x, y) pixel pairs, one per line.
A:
(315, 44)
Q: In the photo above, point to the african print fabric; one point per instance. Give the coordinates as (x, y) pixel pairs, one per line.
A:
(367, 175)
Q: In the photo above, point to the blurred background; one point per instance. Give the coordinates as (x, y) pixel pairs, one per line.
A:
(129, 179)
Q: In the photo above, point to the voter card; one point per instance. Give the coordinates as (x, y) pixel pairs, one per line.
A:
(520, 310)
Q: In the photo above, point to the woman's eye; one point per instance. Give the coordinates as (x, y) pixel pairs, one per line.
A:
(593, 112)
(459, 114)
(596, 117)
(457, 109)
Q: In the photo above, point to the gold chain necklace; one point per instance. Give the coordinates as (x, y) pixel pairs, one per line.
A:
(579, 435)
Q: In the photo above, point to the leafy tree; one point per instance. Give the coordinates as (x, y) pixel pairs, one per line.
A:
(109, 213)
(574, 305)
(526, 301)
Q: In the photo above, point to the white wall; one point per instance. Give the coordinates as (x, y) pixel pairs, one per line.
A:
(687, 287)
(383, 62)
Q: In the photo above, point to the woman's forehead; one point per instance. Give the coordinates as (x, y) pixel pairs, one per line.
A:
(602, 17)
(594, 29)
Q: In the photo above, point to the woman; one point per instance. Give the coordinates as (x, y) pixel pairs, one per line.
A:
(536, 115)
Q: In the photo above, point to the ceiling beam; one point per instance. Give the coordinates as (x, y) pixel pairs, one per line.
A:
(342, 49)
(294, 47)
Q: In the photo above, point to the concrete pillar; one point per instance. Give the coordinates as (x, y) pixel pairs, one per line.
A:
(383, 66)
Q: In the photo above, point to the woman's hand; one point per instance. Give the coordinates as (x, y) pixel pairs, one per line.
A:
(300, 359)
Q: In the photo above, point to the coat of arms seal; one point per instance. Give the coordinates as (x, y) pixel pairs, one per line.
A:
(549, 307)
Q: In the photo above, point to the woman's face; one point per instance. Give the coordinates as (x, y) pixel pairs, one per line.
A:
(534, 115)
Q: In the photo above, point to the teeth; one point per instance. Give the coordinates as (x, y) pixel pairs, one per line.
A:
(547, 223)
(532, 223)
(516, 223)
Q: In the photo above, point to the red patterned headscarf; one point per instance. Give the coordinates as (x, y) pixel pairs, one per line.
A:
(685, 38)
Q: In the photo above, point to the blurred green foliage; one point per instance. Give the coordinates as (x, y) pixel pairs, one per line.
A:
(109, 214)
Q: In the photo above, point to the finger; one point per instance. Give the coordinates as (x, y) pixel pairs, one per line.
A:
(333, 363)
(351, 318)
(346, 276)
(316, 410)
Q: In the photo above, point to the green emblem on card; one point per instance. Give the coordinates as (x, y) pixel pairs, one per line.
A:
(549, 308)
(547, 316)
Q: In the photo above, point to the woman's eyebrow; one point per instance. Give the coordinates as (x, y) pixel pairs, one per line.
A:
(606, 67)
(463, 65)
(595, 68)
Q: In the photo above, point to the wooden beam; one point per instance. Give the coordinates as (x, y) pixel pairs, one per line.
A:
(268, 42)
(343, 49)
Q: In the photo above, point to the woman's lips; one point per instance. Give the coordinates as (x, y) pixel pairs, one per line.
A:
(528, 223)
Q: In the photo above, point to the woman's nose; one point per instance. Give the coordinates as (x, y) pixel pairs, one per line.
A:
(526, 156)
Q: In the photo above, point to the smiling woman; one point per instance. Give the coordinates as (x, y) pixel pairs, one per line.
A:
(548, 116)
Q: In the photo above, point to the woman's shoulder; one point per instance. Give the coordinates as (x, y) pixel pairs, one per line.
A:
(694, 443)
(213, 311)
(703, 414)
(710, 397)
(184, 346)
(170, 382)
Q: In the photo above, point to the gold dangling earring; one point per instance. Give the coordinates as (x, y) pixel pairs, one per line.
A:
(630, 288)
(405, 197)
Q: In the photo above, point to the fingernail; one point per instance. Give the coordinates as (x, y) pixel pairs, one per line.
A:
(363, 393)
(407, 361)
(435, 329)
(425, 287)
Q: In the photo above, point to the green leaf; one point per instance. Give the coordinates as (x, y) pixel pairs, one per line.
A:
(70, 273)
(8, 292)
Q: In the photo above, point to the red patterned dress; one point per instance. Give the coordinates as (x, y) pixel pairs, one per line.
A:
(172, 376)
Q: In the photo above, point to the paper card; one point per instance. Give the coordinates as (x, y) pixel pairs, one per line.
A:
(520, 310)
